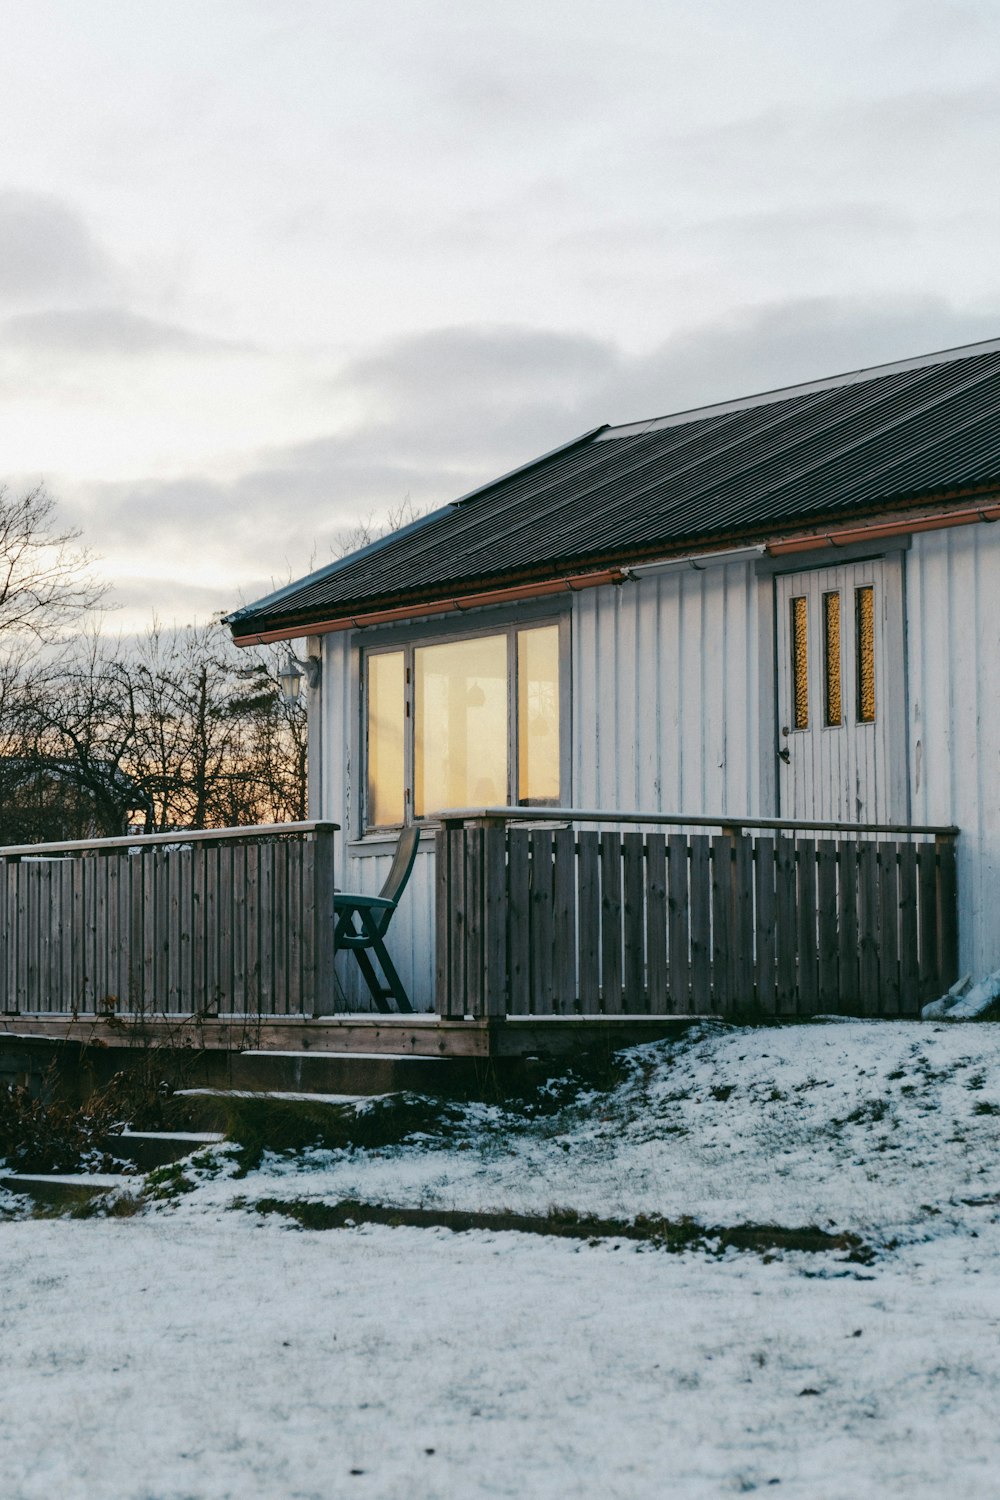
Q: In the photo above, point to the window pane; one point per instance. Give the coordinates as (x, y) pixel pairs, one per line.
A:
(864, 610)
(460, 730)
(538, 715)
(831, 648)
(385, 739)
(800, 665)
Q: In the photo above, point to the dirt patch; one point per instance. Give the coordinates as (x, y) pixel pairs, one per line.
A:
(663, 1234)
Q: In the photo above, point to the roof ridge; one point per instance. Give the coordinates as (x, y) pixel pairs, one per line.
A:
(805, 388)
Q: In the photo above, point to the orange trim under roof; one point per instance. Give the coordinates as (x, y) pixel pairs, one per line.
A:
(511, 595)
(848, 535)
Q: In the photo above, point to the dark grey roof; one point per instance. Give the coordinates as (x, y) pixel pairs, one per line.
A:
(743, 470)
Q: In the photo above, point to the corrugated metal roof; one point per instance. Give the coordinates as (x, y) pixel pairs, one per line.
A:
(750, 469)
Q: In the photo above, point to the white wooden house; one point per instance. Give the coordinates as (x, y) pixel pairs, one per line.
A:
(784, 606)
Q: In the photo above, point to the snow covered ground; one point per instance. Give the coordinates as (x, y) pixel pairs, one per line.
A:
(201, 1349)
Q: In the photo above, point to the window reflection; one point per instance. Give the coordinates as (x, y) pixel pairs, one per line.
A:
(460, 726)
(385, 738)
(538, 715)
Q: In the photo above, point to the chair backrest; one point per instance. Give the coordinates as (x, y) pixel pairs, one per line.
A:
(399, 870)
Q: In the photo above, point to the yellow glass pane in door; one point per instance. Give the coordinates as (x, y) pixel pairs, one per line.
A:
(385, 739)
(538, 715)
(864, 608)
(800, 663)
(460, 724)
(831, 660)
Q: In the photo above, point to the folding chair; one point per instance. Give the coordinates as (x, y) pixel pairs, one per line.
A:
(364, 920)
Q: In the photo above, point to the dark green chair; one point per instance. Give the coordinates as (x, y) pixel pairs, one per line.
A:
(362, 923)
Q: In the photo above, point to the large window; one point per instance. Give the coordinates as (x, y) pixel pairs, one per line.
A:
(471, 722)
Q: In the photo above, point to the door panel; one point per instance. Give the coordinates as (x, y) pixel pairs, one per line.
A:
(841, 693)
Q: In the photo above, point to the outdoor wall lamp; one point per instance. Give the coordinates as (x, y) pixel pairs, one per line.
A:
(292, 672)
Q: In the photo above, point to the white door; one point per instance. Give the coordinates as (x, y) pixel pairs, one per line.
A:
(841, 693)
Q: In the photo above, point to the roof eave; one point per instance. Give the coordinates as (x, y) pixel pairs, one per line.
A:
(829, 529)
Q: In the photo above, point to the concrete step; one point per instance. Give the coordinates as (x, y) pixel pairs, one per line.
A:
(343, 1072)
(212, 1108)
(147, 1149)
(65, 1188)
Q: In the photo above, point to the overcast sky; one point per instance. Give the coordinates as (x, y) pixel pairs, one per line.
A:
(267, 266)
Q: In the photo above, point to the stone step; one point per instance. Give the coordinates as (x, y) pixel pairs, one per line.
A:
(64, 1188)
(212, 1108)
(147, 1149)
(342, 1072)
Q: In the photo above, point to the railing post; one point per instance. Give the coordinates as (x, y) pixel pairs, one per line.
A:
(947, 908)
(323, 999)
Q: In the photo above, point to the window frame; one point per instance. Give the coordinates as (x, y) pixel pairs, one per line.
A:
(410, 641)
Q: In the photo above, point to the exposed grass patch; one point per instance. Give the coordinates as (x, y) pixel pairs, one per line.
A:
(166, 1184)
(674, 1235)
(286, 1126)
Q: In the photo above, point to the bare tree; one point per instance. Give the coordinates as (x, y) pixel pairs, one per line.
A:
(46, 581)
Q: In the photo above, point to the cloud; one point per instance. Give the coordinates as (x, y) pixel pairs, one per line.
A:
(47, 250)
(103, 331)
(783, 343)
(455, 408)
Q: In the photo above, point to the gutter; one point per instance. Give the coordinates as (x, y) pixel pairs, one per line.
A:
(847, 536)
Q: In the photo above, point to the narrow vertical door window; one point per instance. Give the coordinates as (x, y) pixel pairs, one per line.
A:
(834, 706)
(386, 714)
(800, 663)
(864, 606)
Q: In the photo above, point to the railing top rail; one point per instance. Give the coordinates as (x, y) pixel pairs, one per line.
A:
(455, 816)
(180, 836)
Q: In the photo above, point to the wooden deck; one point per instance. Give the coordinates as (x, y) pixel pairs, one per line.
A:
(552, 939)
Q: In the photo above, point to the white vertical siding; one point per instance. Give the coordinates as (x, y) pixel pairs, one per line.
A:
(666, 706)
(953, 657)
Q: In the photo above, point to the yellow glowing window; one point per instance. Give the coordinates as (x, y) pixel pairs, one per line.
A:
(386, 714)
(464, 723)
(538, 715)
(800, 664)
(834, 707)
(460, 725)
(864, 612)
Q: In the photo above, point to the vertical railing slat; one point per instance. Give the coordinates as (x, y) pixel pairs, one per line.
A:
(611, 923)
(868, 928)
(808, 969)
(589, 921)
(909, 930)
(888, 929)
(540, 945)
(633, 915)
(701, 925)
(947, 909)
(678, 925)
(764, 924)
(786, 924)
(564, 921)
(519, 898)
(496, 918)
(656, 924)
(828, 996)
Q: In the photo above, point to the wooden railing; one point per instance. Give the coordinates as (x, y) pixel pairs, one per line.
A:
(565, 920)
(232, 920)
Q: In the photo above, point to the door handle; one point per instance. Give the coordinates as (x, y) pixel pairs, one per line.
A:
(784, 753)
